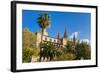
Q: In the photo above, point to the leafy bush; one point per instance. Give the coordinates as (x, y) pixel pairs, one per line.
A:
(66, 56)
(26, 55)
(83, 50)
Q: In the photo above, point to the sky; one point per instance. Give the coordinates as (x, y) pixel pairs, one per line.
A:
(74, 22)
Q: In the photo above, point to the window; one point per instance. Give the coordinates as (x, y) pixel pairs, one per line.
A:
(55, 41)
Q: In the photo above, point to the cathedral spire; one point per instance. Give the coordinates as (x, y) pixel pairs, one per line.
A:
(65, 34)
(74, 39)
(58, 37)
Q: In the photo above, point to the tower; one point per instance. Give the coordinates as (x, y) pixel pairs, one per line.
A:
(38, 38)
(58, 38)
(64, 39)
(65, 34)
(74, 40)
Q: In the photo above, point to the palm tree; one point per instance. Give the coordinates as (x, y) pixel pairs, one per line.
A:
(43, 21)
(49, 51)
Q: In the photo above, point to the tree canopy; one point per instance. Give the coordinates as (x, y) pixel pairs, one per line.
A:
(29, 39)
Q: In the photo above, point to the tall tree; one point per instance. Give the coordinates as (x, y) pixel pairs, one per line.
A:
(29, 41)
(43, 21)
(83, 50)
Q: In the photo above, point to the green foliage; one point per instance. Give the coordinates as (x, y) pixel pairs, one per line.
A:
(66, 56)
(29, 44)
(29, 39)
(43, 20)
(59, 54)
(49, 50)
(26, 55)
(69, 46)
(35, 51)
(83, 50)
(78, 51)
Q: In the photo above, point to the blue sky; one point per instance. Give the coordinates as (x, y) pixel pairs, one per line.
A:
(72, 21)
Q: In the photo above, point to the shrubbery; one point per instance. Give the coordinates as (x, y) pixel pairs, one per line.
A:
(28, 53)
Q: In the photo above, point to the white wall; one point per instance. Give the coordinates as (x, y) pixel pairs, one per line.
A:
(5, 36)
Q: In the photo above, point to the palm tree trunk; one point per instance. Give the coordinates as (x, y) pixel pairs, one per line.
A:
(42, 35)
(41, 43)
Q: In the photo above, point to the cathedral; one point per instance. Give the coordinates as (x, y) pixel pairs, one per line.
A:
(59, 41)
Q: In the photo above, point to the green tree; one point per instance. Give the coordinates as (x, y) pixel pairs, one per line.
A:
(68, 52)
(51, 51)
(83, 50)
(43, 21)
(29, 39)
(26, 55)
(70, 47)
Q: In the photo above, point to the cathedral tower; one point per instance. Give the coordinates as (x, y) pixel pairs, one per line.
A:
(64, 39)
(74, 40)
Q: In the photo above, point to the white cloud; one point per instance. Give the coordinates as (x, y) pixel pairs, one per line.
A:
(72, 35)
(84, 40)
(76, 34)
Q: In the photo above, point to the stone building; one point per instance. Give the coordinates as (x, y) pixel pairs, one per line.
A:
(60, 41)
